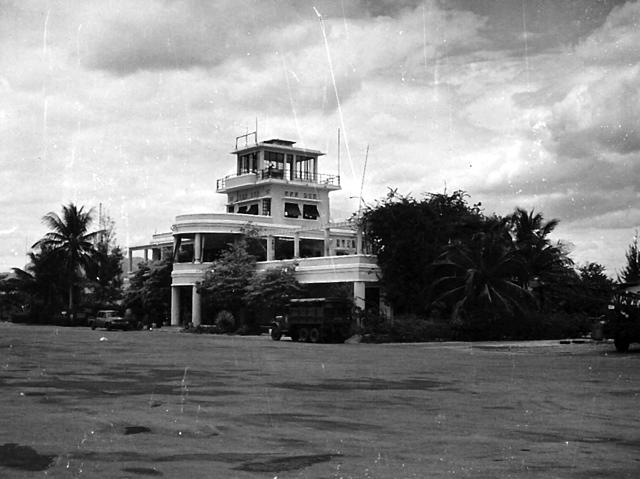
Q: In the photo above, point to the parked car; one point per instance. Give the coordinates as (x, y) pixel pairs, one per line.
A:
(111, 319)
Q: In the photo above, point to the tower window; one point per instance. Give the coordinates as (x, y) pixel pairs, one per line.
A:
(291, 210)
(310, 212)
(266, 207)
(247, 163)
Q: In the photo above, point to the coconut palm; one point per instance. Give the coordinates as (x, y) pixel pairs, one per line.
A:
(71, 242)
(529, 227)
(530, 236)
(480, 277)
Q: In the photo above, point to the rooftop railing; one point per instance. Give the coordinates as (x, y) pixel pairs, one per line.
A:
(279, 174)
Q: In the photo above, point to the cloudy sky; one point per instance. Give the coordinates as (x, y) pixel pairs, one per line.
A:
(137, 104)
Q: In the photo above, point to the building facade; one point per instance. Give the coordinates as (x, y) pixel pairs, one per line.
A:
(279, 194)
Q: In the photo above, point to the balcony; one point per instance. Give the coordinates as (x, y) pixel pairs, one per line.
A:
(326, 269)
(233, 182)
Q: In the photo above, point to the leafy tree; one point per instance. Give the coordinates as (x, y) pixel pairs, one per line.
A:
(149, 292)
(105, 273)
(107, 277)
(408, 235)
(71, 243)
(39, 286)
(596, 289)
(269, 292)
(225, 285)
(631, 271)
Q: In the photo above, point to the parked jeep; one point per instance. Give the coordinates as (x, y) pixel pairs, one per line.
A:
(111, 319)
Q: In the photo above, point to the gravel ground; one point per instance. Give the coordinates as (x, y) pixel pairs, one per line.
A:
(82, 403)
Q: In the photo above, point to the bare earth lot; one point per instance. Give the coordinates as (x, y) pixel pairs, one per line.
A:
(82, 403)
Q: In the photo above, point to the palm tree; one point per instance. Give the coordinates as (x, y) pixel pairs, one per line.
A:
(480, 277)
(530, 235)
(71, 243)
(530, 227)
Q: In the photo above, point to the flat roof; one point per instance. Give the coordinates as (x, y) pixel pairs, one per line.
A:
(284, 145)
(278, 141)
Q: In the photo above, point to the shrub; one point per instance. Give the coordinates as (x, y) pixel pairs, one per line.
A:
(225, 322)
(414, 329)
(403, 329)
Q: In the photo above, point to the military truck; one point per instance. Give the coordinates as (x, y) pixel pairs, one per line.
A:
(623, 320)
(314, 320)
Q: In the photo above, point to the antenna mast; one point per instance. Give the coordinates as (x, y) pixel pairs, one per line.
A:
(338, 152)
(364, 171)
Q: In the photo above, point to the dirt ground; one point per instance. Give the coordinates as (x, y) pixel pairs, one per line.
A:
(82, 403)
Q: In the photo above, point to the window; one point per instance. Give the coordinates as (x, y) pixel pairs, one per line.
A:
(248, 163)
(274, 165)
(229, 208)
(253, 209)
(305, 167)
(288, 168)
(242, 210)
(275, 160)
(310, 212)
(291, 210)
(266, 207)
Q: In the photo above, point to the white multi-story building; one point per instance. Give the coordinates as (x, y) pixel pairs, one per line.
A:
(277, 191)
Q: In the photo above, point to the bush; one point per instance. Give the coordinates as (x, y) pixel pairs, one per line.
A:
(525, 326)
(415, 329)
(225, 322)
(404, 329)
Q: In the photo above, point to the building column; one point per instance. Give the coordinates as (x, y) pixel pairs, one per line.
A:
(196, 307)
(130, 260)
(197, 248)
(175, 306)
(359, 300)
(146, 255)
(176, 247)
(327, 241)
(359, 241)
(270, 248)
(358, 294)
(296, 244)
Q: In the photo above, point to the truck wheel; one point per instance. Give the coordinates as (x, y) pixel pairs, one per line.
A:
(293, 334)
(622, 345)
(276, 333)
(314, 335)
(303, 335)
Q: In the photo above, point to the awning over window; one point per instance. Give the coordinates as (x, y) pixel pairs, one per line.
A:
(291, 210)
(310, 212)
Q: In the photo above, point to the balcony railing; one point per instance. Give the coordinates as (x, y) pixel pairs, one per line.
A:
(279, 174)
